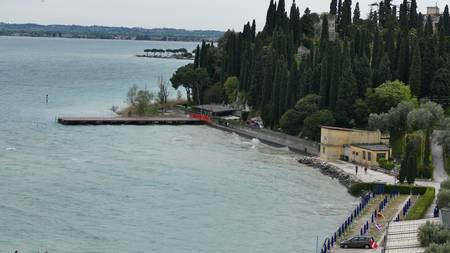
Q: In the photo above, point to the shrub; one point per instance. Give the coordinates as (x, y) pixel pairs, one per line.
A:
(358, 188)
(445, 185)
(433, 233)
(420, 208)
(386, 164)
(435, 248)
(443, 199)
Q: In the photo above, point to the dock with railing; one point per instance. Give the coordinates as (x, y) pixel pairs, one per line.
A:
(129, 121)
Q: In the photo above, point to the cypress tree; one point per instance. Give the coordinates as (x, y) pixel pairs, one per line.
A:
(377, 49)
(295, 23)
(275, 109)
(429, 65)
(267, 88)
(335, 77)
(282, 99)
(324, 38)
(383, 72)
(307, 26)
(363, 75)
(346, 19)
(197, 58)
(413, 16)
(253, 30)
(403, 19)
(292, 85)
(440, 87)
(203, 55)
(270, 18)
(333, 7)
(403, 61)
(356, 14)
(339, 12)
(324, 83)
(446, 21)
(347, 93)
(415, 73)
(256, 81)
(389, 47)
(429, 27)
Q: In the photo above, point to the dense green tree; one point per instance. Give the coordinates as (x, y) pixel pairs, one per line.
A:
(440, 87)
(292, 121)
(311, 125)
(361, 113)
(387, 96)
(231, 87)
(193, 80)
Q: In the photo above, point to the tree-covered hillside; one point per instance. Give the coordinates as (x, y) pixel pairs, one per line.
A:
(314, 68)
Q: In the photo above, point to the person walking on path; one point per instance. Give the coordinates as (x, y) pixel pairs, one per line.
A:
(365, 170)
(356, 169)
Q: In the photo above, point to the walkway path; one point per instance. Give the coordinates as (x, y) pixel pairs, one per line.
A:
(371, 176)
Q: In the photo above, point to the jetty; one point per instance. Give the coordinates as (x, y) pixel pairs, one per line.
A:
(129, 121)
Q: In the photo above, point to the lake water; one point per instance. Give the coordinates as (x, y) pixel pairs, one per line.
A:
(139, 189)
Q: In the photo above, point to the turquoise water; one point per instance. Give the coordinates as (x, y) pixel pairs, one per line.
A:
(138, 189)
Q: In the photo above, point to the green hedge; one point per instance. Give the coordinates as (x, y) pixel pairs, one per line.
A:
(358, 188)
(419, 209)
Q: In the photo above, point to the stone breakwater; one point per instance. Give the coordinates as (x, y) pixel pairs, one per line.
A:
(330, 170)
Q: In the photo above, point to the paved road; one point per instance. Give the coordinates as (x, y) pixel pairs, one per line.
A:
(357, 250)
(440, 174)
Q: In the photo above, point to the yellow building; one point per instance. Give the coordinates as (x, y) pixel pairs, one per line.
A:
(359, 146)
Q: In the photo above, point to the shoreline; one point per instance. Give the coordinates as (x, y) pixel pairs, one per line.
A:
(334, 172)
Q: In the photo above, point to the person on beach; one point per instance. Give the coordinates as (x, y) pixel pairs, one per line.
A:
(356, 169)
(46, 99)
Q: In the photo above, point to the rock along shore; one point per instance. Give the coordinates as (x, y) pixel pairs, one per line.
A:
(330, 170)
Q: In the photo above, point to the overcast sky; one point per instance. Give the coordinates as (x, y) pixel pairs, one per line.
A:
(188, 14)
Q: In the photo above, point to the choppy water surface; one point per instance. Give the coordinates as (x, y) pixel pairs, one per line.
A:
(138, 189)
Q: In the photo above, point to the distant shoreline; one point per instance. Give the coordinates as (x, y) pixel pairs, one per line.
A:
(166, 57)
(107, 32)
(79, 38)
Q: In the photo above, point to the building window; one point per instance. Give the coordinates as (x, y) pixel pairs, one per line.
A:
(364, 155)
(381, 156)
(357, 154)
(369, 156)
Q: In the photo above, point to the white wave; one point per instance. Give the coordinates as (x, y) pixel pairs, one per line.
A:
(11, 149)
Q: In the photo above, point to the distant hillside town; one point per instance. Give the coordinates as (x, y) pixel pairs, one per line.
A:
(104, 32)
